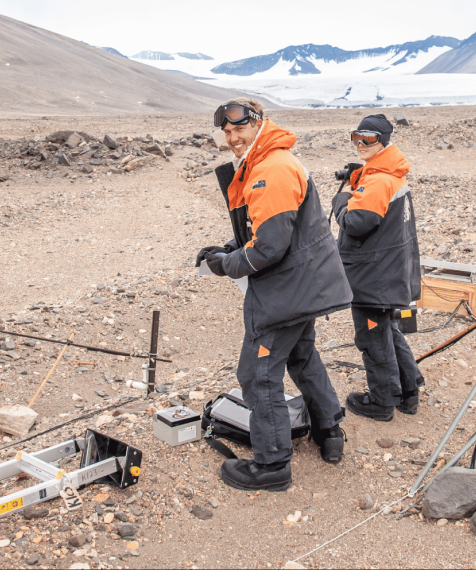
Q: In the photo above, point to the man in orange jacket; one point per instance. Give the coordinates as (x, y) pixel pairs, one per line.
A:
(379, 248)
(283, 243)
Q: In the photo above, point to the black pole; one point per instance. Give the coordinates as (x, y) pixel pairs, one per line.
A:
(90, 348)
(154, 339)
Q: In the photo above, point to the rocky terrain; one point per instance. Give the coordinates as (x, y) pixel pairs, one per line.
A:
(92, 246)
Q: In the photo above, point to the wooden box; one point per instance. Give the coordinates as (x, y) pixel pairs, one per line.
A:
(445, 294)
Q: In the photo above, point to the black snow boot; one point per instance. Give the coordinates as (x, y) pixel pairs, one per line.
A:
(247, 475)
(331, 442)
(409, 404)
(360, 404)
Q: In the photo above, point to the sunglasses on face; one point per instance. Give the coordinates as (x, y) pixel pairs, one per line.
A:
(234, 113)
(367, 138)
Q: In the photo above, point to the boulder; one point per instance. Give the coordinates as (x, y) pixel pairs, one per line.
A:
(16, 420)
(110, 142)
(401, 119)
(60, 137)
(452, 495)
(155, 149)
(63, 159)
(74, 140)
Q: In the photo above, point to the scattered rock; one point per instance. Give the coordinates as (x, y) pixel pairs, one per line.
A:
(74, 140)
(133, 545)
(385, 443)
(201, 512)
(362, 450)
(110, 142)
(63, 159)
(33, 559)
(290, 565)
(366, 503)
(401, 119)
(452, 495)
(4, 543)
(78, 541)
(108, 518)
(213, 502)
(35, 513)
(155, 149)
(126, 530)
(17, 420)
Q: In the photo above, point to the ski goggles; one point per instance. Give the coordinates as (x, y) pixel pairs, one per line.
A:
(367, 138)
(234, 113)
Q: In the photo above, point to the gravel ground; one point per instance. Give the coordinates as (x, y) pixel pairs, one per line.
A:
(97, 252)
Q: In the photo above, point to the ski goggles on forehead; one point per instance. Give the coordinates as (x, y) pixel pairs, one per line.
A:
(234, 113)
(367, 138)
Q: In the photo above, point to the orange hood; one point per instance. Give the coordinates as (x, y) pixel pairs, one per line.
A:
(270, 138)
(389, 161)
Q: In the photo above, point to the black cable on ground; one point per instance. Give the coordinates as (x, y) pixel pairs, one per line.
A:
(90, 348)
(85, 417)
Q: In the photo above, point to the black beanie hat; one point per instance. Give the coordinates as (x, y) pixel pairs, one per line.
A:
(377, 124)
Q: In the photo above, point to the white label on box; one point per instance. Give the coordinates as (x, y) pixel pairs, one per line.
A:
(187, 433)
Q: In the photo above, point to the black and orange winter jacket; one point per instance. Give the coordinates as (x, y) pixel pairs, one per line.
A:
(378, 239)
(282, 239)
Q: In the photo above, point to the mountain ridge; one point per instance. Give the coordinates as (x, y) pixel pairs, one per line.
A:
(461, 59)
(161, 55)
(302, 58)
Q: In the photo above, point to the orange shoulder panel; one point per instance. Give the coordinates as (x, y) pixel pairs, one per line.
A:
(376, 191)
(276, 185)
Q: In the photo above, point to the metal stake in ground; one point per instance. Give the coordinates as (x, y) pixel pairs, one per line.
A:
(60, 356)
(154, 339)
(442, 443)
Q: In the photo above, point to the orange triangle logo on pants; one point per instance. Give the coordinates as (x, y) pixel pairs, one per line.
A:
(371, 324)
(263, 351)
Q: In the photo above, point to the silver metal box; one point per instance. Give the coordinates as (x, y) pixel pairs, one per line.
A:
(177, 425)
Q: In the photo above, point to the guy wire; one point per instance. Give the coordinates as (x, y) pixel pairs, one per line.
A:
(351, 529)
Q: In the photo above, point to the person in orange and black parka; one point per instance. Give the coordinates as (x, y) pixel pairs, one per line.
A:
(379, 248)
(283, 243)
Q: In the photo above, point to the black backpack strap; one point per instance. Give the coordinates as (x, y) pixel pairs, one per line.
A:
(218, 445)
(221, 448)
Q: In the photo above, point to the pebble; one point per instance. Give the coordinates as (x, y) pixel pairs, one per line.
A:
(133, 545)
(396, 473)
(98, 300)
(5, 542)
(126, 530)
(366, 503)
(78, 540)
(101, 497)
(34, 558)
(201, 512)
(385, 443)
(213, 502)
(362, 450)
(31, 513)
(108, 518)
(442, 522)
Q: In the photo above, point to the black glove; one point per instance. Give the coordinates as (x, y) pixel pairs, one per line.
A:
(215, 263)
(210, 249)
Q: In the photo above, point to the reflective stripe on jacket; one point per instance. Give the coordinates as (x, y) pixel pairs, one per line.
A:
(282, 238)
(378, 239)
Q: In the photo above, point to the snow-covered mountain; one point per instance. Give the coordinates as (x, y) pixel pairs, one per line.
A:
(461, 59)
(163, 56)
(311, 59)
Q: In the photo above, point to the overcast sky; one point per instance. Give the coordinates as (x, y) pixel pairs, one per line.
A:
(234, 30)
